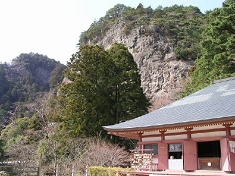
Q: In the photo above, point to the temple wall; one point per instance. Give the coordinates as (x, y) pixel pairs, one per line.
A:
(177, 137)
(232, 132)
(208, 134)
(151, 139)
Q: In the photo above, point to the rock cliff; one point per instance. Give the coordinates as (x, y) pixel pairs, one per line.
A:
(161, 73)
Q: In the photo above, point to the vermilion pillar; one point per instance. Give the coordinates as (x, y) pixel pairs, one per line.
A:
(190, 156)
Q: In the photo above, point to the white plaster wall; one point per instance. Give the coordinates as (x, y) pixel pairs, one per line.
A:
(176, 137)
(168, 131)
(151, 132)
(211, 134)
(151, 139)
(232, 132)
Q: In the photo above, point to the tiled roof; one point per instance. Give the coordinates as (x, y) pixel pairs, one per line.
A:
(214, 102)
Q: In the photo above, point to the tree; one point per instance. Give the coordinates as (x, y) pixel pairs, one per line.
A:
(86, 97)
(19, 145)
(116, 11)
(1, 150)
(56, 75)
(218, 49)
(129, 99)
(5, 85)
(109, 155)
(5, 97)
(104, 89)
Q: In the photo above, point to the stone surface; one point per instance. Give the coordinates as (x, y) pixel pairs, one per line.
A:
(162, 74)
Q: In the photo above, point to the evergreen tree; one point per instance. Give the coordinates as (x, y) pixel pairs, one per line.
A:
(4, 83)
(5, 97)
(218, 49)
(130, 101)
(104, 89)
(86, 98)
(56, 75)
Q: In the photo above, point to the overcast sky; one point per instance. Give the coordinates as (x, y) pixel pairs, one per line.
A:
(53, 27)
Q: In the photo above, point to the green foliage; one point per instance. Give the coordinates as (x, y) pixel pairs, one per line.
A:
(11, 136)
(2, 152)
(37, 70)
(45, 151)
(107, 171)
(99, 28)
(182, 25)
(31, 61)
(3, 173)
(4, 83)
(14, 132)
(5, 96)
(104, 89)
(218, 51)
(87, 95)
(129, 99)
(35, 123)
(19, 136)
(56, 75)
(22, 81)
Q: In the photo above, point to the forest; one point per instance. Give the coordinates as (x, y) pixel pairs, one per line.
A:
(50, 121)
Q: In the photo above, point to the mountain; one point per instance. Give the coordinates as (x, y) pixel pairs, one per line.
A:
(171, 46)
(29, 77)
(164, 42)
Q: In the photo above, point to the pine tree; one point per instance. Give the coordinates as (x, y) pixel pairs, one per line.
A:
(218, 49)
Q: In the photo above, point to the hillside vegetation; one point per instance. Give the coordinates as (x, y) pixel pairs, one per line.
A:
(164, 42)
(217, 59)
(27, 78)
(104, 87)
(206, 39)
(182, 25)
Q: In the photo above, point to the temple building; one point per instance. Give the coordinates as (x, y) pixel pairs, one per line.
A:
(196, 132)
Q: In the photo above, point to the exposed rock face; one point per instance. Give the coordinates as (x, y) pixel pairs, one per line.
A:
(42, 75)
(161, 73)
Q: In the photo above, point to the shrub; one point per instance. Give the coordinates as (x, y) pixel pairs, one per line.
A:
(108, 171)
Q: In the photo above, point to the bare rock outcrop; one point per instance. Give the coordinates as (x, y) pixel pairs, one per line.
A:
(161, 72)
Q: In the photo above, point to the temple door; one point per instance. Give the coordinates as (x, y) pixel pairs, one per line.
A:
(190, 155)
(162, 156)
(227, 154)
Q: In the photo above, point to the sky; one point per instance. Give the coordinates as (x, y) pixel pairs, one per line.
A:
(53, 27)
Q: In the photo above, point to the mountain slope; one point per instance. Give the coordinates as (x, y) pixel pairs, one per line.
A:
(164, 43)
(27, 78)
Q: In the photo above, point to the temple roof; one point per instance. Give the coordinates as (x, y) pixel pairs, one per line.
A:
(211, 104)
